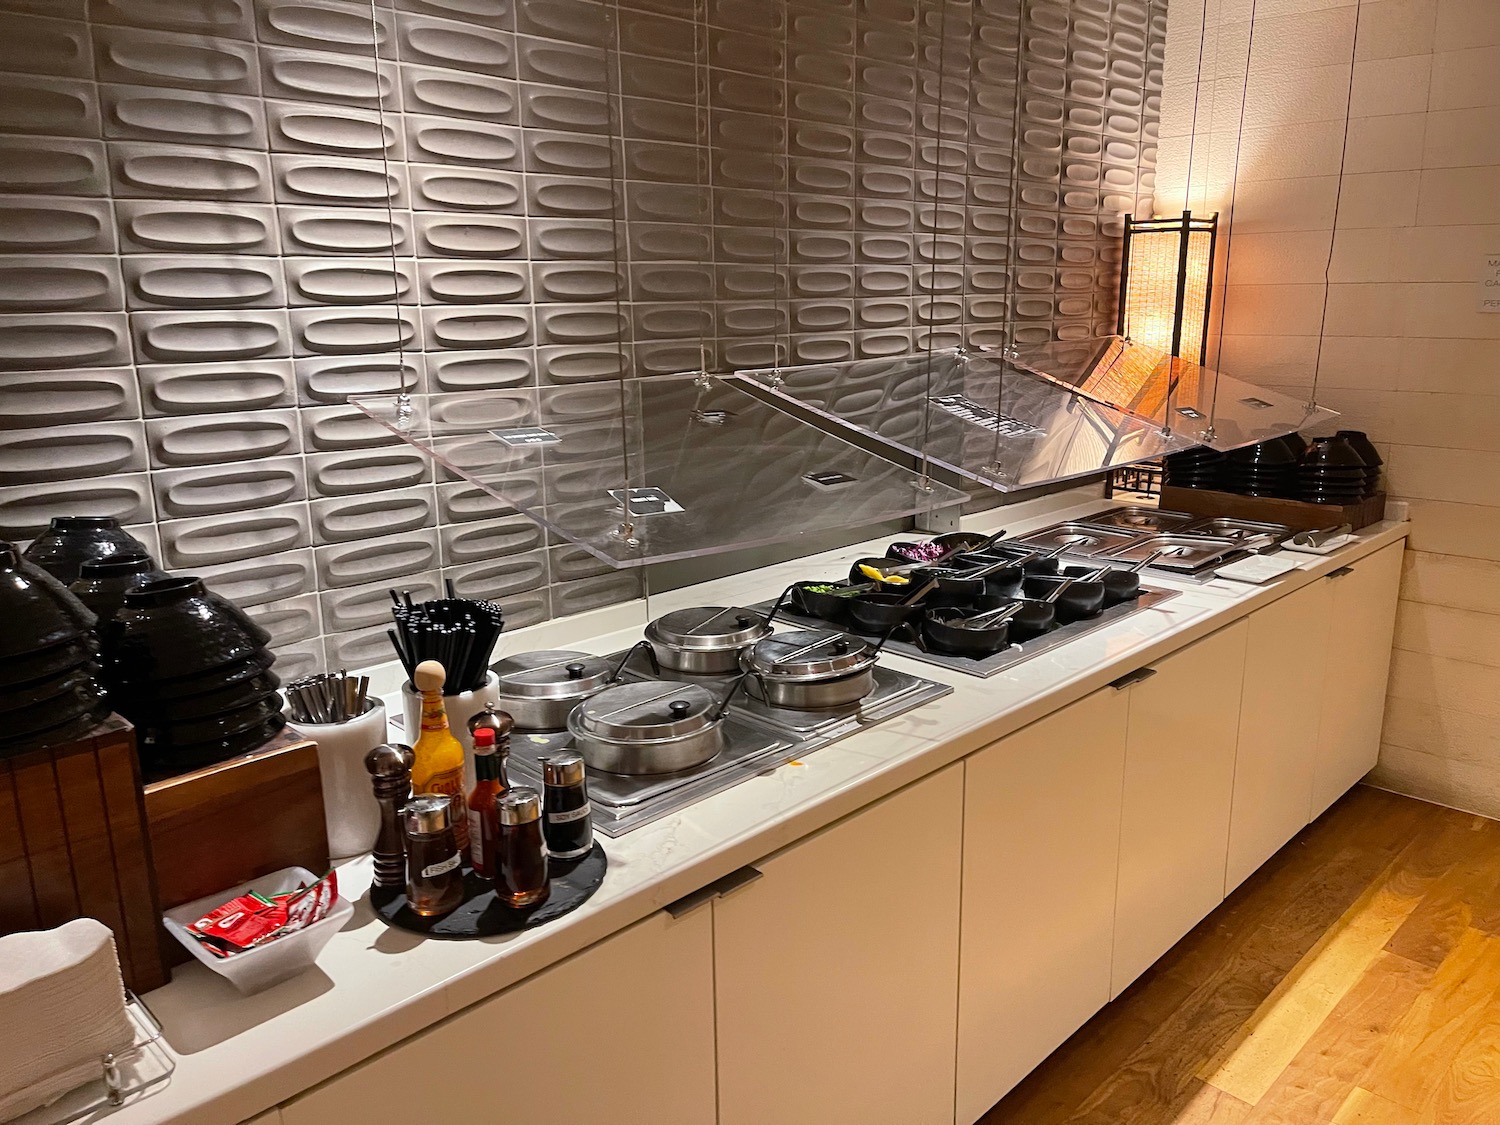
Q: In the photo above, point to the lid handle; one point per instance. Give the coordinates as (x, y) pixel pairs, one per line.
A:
(679, 709)
(574, 670)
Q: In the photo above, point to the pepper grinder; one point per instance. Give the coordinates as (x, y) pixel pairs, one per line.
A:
(390, 775)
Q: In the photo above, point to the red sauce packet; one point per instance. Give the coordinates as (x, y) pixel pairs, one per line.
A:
(252, 920)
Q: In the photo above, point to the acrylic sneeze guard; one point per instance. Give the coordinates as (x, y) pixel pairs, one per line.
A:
(1212, 408)
(968, 414)
(701, 466)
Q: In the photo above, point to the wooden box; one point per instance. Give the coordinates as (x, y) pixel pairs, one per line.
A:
(73, 844)
(238, 820)
(1296, 514)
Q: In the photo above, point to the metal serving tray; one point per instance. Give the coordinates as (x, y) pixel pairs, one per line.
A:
(1085, 539)
(1152, 520)
(1188, 554)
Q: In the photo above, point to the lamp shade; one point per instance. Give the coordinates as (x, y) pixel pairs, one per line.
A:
(1166, 280)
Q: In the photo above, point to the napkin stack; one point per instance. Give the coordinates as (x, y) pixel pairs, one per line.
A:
(62, 1008)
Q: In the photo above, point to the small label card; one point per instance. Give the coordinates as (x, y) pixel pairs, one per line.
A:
(829, 478)
(646, 501)
(527, 435)
(1489, 282)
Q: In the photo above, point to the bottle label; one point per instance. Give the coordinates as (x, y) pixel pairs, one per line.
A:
(447, 783)
(434, 714)
(568, 815)
(431, 871)
(476, 840)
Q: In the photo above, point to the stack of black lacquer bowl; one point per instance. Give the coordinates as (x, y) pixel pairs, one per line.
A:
(49, 686)
(1267, 468)
(193, 674)
(1199, 467)
(1333, 472)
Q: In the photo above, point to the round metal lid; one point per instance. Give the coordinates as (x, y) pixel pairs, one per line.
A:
(804, 655)
(651, 711)
(710, 628)
(555, 673)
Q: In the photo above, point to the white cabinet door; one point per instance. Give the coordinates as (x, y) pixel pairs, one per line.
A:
(1363, 625)
(1041, 836)
(621, 1032)
(1179, 774)
(836, 974)
(1280, 709)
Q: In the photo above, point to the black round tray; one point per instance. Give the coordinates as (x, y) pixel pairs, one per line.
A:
(574, 882)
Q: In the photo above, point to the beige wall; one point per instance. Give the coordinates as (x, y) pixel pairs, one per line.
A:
(1410, 205)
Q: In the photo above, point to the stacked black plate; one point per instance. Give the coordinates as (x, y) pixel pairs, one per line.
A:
(1332, 472)
(1368, 454)
(71, 541)
(192, 672)
(1268, 468)
(49, 686)
(1200, 467)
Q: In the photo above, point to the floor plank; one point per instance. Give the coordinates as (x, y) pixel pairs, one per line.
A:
(1353, 980)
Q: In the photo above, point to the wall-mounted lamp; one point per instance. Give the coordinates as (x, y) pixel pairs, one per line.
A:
(1166, 283)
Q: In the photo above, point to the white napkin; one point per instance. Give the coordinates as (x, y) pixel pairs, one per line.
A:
(62, 1007)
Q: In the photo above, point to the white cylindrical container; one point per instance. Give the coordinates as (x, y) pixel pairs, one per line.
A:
(461, 708)
(349, 804)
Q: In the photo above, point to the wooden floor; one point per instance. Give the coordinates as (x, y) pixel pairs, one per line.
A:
(1354, 980)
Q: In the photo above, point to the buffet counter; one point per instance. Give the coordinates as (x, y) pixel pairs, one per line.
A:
(373, 987)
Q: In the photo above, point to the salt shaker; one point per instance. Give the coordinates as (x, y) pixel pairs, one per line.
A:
(390, 776)
(434, 877)
(520, 851)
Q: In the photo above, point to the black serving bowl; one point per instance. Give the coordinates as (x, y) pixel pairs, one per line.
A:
(165, 757)
(211, 727)
(943, 630)
(1120, 585)
(214, 680)
(858, 578)
(1273, 453)
(879, 613)
(1079, 601)
(103, 583)
(37, 609)
(80, 697)
(18, 671)
(78, 683)
(71, 541)
(828, 607)
(918, 551)
(73, 727)
(216, 702)
(1000, 553)
(172, 628)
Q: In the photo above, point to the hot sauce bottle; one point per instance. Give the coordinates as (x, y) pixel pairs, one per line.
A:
(490, 783)
(439, 766)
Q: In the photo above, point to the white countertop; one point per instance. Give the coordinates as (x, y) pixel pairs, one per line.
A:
(373, 986)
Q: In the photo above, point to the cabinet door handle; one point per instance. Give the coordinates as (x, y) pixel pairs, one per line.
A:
(717, 889)
(1132, 678)
(1340, 572)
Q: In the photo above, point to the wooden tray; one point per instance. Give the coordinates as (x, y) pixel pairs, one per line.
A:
(1296, 514)
(74, 843)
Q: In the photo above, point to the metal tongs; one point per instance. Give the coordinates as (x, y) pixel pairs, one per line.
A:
(1322, 536)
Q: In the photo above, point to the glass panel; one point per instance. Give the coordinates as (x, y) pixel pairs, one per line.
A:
(1208, 406)
(708, 468)
(969, 414)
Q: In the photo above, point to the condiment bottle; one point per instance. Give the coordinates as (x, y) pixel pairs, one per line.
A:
(440, 756)
(565, 803)
(434, 870)
(390, 776)
(489, 770)
(520, 851)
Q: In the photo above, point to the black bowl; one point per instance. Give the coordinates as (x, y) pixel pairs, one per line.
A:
(167, 759)
(18, 671)
(1333, 452)
(224, 698)
(1079, 601)
(172, 628)
(74, 684)
(70, 728)
(942, 630)
(918, 551)
(103, 583)
(81, 696)
(210, 727)
(858, 577)
(213, 680)
(1001, 553)
(37, 609)
(878, 613)
(829, 607)
(1273, 453)
(71, 541)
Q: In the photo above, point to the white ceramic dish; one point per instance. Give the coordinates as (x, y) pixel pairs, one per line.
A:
(269, 964)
